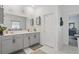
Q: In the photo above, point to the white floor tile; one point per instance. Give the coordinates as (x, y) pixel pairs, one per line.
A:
(49, 50)
(64, 50)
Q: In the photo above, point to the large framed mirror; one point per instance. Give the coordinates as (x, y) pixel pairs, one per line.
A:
(32, 22)
(38, 20)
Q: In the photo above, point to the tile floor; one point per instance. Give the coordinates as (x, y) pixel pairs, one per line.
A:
(48, 50)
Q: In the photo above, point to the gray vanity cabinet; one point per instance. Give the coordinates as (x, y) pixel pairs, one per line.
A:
(7, 44)
(12, 43)
(1, 16)
(0, 45)
(34, 38)
(18, 42)
(31, 39)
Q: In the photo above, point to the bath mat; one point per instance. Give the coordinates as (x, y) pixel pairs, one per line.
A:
(36, 46)
(38, 52)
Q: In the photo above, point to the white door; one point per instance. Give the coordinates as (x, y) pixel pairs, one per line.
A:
(50, 30)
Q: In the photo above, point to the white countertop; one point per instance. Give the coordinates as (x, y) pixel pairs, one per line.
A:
(17, 32)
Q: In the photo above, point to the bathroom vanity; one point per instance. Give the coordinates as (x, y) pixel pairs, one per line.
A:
(24, 31)
(13, 42)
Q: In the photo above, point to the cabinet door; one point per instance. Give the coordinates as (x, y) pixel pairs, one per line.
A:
(37, 37)
(0, 45)
(26, 40)
(1, 15)
(34, 38)
(7, 45)
(18, 42)
(1, 6)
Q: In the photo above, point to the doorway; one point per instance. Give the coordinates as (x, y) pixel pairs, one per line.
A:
(50, 30)
(73, 30)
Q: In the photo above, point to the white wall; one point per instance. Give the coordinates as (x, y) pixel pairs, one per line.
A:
(71, 9)
(60, 42)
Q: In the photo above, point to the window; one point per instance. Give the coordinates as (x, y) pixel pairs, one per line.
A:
(15, 25)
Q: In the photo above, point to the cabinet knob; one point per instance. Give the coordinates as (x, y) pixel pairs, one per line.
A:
(28, 37)
(13, 40)
(34, 36)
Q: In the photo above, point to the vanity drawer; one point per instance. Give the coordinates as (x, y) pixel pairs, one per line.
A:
(7, 38)
(32, 35)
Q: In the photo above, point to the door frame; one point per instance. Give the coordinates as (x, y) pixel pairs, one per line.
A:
(67, 18)
(45, 26)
